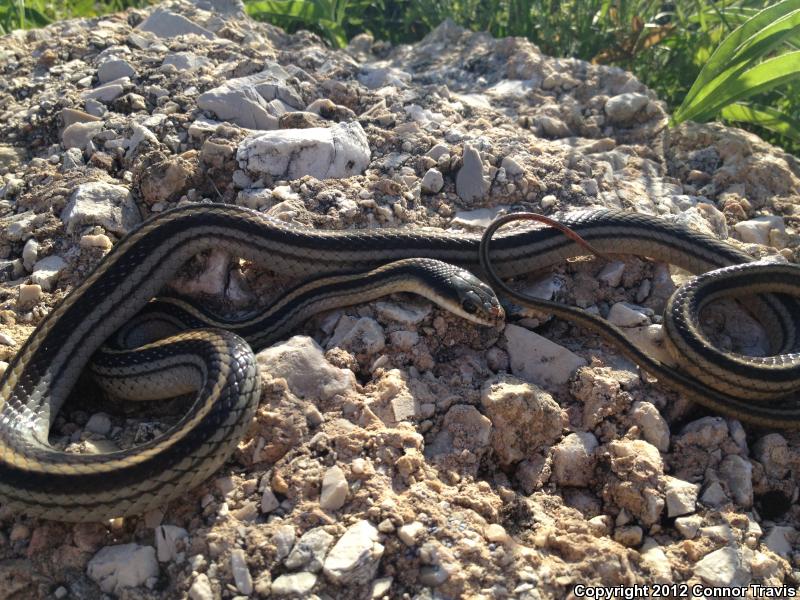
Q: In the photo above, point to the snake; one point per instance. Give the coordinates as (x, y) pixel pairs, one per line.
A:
(214, 359)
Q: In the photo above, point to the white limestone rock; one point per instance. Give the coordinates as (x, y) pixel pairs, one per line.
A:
(767, 230)
(574, 459)
(653, 425)
(737, 472)
(471, 183)
(115, 68)
(245, 101)
(167, 537)
(240, 572)
(201, 588)
(108, 92)
(310, 550)
(335, 152)
(622, 315)
(186, 61)
(114, 568)
(432, 181)
(354, 559)
(334, 489)
(724, 567)
(295, 585)
(46, 272)
(301, 361)
(539, 360)
(681, 496)
(30, 252)
(167, 24)
(99, 203)
(622, 108)
(78, 135)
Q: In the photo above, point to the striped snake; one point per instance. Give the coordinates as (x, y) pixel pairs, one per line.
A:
(218, 365)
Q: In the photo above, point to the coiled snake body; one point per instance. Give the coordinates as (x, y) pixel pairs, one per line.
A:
(218, 362)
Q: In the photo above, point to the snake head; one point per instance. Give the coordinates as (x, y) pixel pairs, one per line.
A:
(476, 301)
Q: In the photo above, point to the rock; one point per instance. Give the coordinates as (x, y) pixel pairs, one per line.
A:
(737, 473)
(623, 315)
(297, 585)
(30, 252)
(166, 179)
(574, 460)
(240, 572)
(201, 588)
(623, 107)
(714, 495)
(116, 68)
(10, 157)
(772, 451)
(114, 568)
(552, 127)
(3, 367)
(99, 423)
(780, 540)
(404, 340)
(72, 159)
(432, 181)
(246, 101)
(186, 61)
(708, 432)
(46, 272)
(108, 92)
(378, 77)
(768, 231)
(301, 362)
(689, 526)
(167, 24)
(539, 360)
(334, 489)
(73, 115)
(354, 559)
(99, 203)
(723, 568)
(524, 417)
(410, 533)
(630, 535)
(655, 560)
(464, 428)
(100, 240)
(681, 496)
(78, 135)
(268, 501)
(638, 468)
(471, 185)
(478, 218)
(654, 428)
(310, 550)
(29, 295)
(359, 336)
(284, 539)
(611, 274)
(167, 537)
(325, 153)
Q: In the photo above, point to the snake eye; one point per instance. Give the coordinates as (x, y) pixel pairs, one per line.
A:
(469, 304)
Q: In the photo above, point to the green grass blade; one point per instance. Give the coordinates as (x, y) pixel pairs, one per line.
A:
(736, 42)
(760, 44)
(763, 116)
(760, 78)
